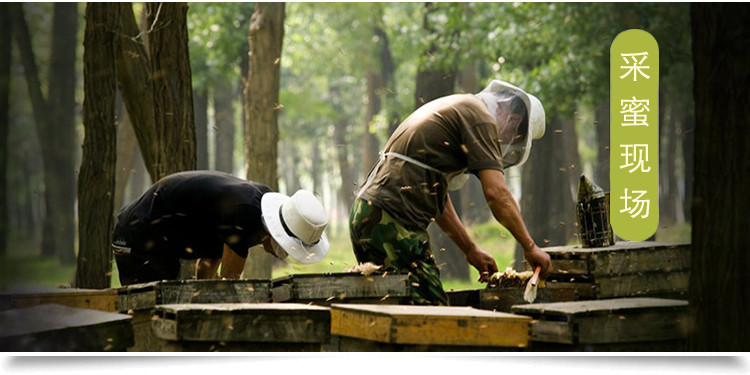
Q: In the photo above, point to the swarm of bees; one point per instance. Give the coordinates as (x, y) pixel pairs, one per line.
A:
(510, 279)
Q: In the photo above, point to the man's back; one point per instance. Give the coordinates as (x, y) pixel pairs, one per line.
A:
(194, 213)
(449, 134)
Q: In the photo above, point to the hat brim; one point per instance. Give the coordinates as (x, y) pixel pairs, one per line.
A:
(270, 205)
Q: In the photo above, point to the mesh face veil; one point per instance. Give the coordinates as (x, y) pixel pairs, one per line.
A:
(512, 120)
(519, 117)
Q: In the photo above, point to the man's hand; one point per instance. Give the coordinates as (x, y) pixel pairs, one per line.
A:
(536, 257)
(483, 262)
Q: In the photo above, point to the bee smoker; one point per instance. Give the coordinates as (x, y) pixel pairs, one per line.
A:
(592, 213)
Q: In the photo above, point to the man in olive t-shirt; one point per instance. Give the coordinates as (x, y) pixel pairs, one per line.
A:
(429, 153)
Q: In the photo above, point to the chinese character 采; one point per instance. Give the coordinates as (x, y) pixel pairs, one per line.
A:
(635, 156)
(633, 112)
(637, 68)
(639, 203)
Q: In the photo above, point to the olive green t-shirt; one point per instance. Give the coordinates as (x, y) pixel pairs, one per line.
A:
(449, 134)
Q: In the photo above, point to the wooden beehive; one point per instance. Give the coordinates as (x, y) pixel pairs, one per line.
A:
(51, 327)
(345, 287)
(427, 327)
(612, 324)
(97, 299)
(242, 326)
(627, 269)
(503, 299)
(140, 299)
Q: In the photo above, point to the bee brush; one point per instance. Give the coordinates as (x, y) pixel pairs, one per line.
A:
(529, 295)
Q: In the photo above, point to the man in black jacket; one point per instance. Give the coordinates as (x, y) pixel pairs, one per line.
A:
(215, 218)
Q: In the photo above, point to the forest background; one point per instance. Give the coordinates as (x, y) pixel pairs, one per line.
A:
(348, 74)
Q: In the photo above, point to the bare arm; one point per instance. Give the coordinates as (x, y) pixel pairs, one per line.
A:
(207, 268)
(231, 264)
(452, 226)
(506, 212)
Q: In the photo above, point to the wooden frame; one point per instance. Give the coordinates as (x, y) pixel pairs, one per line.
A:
(430, 325)
(609, 321)
(349, 287)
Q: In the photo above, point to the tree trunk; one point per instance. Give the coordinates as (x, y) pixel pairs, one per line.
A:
(62, 84)
(315, 168)
(472, 201)
(172, 88)
(97, 177)
(667, 150)
(348, 181)
(55, 124)
(547, 203)
(41, 111)
(5, 61)
(370, 141)
(719, 276)
(688, 141)
(134, 83)
(601, 174)
(266, 34)
(433, 84)
(200, 101)
(290, 167)
(224, 122)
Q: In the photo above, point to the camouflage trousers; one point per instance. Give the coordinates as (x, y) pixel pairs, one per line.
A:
(380, 239)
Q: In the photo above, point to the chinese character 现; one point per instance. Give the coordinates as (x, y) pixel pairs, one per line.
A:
(635, 156)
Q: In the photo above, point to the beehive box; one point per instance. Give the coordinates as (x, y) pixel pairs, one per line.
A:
(345, 287)
(426, 328)
(51, 328)
(503, 299)
(631, 324)
(627, 269)
(242, 327)
(139, 300)
(146, 296)
(96, 299)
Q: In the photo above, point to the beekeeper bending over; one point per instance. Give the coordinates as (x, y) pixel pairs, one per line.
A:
(214, 218)
(430, 153)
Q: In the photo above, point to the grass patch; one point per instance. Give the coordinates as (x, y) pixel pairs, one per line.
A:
(677, 233)
(34, 271)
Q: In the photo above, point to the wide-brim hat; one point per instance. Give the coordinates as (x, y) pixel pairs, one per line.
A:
(297, 224)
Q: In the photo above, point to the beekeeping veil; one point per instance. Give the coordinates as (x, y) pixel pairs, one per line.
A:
(520, 117)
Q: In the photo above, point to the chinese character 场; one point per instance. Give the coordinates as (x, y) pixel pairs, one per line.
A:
(639, 204)
(633, 112)
(635, 156)
(637, 68)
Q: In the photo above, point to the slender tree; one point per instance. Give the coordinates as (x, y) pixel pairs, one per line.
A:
(266, 34)
(434, 82)
(172, 88)
(54, 116)
(719, 279)
(549, 212)
(96, 181)
(134, 82)
(200, 107)
(5, 60)
(224, 95)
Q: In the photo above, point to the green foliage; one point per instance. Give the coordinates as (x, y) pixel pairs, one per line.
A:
(217, 34)
(34, 271)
